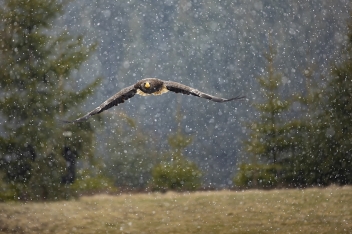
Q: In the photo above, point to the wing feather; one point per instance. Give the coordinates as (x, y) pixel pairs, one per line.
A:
(184, 89)
(115, 100)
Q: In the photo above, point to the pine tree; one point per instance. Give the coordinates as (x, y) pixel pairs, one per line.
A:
(270, 140)
(35, 80)
(131, 153)
(267, 140)
(335, 155)
(179, 173)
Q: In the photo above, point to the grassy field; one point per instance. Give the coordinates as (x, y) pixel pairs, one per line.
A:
(326, 210)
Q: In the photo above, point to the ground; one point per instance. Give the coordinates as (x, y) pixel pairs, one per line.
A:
(314, 210)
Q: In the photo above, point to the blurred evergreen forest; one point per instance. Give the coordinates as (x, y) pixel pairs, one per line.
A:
(219, 47)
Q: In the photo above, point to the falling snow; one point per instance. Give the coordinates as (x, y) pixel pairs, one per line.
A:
(284, 56)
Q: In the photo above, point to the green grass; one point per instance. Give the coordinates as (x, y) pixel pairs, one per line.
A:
(324, 210)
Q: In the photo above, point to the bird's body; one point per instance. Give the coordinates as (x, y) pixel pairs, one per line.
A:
(149, 86)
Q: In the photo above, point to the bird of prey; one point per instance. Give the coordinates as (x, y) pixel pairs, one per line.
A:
(146, 87)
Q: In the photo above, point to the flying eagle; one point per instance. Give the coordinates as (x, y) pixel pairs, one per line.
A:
(146, 87)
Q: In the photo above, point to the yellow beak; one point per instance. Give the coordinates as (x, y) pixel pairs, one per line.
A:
(147, 85)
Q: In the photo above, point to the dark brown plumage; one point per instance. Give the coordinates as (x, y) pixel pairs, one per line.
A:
(150, 86)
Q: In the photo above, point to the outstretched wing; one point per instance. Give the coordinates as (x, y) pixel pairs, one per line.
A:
(180, 88)
(115, 100)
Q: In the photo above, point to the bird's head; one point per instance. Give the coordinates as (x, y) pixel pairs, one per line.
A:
(147, 85)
